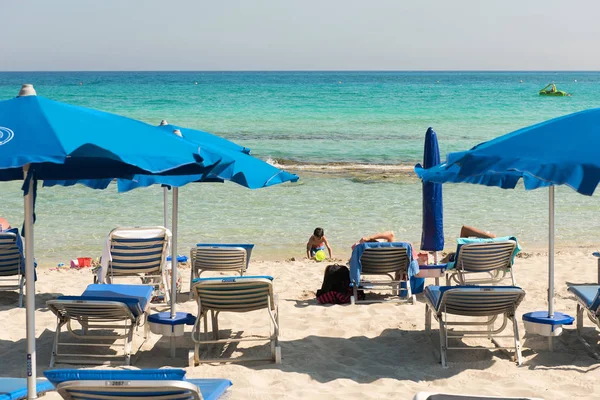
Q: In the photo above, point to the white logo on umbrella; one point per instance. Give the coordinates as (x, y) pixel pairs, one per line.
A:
(6, 135)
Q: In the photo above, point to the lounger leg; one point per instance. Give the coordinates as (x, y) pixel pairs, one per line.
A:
(21, 284)
(427, 319)
(55, 346)
(443, 341)
(517, 341)
(354, 297)
(579, 319)
(215, 324)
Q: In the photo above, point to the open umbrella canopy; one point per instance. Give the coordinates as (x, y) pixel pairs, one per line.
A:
(432, 236)
(63, 141)
(563, 151)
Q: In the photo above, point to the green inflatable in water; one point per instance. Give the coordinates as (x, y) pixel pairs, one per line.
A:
(550, 90)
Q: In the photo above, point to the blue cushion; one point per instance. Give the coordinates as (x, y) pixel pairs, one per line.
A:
(211, 389)
(136, 297)
(64, 375)
(590, 294)
(435, 293)
(232, 278)
(16, 388)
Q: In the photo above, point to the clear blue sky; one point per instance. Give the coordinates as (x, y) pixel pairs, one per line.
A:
(299, 35)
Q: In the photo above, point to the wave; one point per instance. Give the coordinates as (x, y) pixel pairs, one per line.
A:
(342, 167)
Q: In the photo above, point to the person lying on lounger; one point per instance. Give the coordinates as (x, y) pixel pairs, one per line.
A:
(465, 232)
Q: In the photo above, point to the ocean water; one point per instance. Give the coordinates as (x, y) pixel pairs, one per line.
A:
(352, 137)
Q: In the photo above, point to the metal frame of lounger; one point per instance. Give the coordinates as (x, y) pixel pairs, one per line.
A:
(139, 257)
(446, 396)
(389, 261)
(216, 259)
(11, 270)
(594, 316)
(230, 295)
(128, 389)
(95, 316)
(492, 258)
(475, 301)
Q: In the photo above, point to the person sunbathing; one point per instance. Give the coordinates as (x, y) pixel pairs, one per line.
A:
(466, 232)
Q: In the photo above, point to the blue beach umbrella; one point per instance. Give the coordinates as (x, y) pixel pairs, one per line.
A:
(238, 167)
(560, 151)
(432, 236)
(44, 139)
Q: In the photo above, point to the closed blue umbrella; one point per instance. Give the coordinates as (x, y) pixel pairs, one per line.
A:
(432, 236)
(44, 139)
(560, 151)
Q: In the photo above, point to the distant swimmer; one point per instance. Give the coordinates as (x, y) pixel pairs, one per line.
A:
(195, 83)
(521, 81)
(339, 82)
(575, 80)
(437, 81)
(80, 83)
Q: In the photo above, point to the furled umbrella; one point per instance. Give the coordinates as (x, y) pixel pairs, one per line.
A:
(44, 139)
(432, 236)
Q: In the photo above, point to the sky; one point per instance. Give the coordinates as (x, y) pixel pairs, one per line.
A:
(216, 35)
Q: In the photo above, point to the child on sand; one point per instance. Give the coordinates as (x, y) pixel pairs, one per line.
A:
(317, 241)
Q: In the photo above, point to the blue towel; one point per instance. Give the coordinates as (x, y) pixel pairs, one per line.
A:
(359, 249)
(16, 388)
(462, 241)
(136, 297)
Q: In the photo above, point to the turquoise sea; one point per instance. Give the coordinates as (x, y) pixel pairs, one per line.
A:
(353, 138)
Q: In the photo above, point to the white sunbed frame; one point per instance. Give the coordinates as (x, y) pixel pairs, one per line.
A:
(593, 316)
(149, 272)
(95, 316)
(216, 259)
(445, 396)
(472, 302)
(128, 389)
(240, 296)
(388, 261)
(12, 273)
(486, 258)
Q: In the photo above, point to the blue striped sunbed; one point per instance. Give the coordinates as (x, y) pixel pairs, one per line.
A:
(102, 312)
(228, 258)
(233, 294)
(588, 301)
(12, 262)
(16, 388)
(164, 384)
(473, 301)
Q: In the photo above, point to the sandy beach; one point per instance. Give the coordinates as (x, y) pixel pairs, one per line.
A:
(368, 351)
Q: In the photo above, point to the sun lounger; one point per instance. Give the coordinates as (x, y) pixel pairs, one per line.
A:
(105, 314)
(233, 294)
(444, 396)
(217, 259)
(12, 262)
(16, 388)
(391, 259)
(483, 262)
(588, 302)
(136, 252)
(473, 301)
(164, 384)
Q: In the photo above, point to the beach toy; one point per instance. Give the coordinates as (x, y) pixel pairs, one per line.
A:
(320, 255)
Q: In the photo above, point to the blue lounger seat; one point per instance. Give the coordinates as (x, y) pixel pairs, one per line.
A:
(588, 301)
(473, 301)
(16, 388)
(104, 313)
(164, 383)
(233, 294)
(219, 258)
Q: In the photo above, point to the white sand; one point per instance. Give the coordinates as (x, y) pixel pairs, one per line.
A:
(349, 352)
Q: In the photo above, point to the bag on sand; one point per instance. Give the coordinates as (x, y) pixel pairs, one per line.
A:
(336, 285)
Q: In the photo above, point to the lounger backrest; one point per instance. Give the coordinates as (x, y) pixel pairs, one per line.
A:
(236, 295)
(10, 256)
(384, 260)
(481, 301)
(135, 390)
(219, 259)
(137, 255)
(91, 309)
(485, 256)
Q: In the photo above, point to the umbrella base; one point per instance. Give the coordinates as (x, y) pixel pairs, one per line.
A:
(539, 323)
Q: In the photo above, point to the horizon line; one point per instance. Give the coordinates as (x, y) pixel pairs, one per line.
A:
(310, 70)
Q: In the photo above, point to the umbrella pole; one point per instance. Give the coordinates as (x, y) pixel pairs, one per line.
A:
(550, 257)
(165, 207)
(30, 289)
(175, 210)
